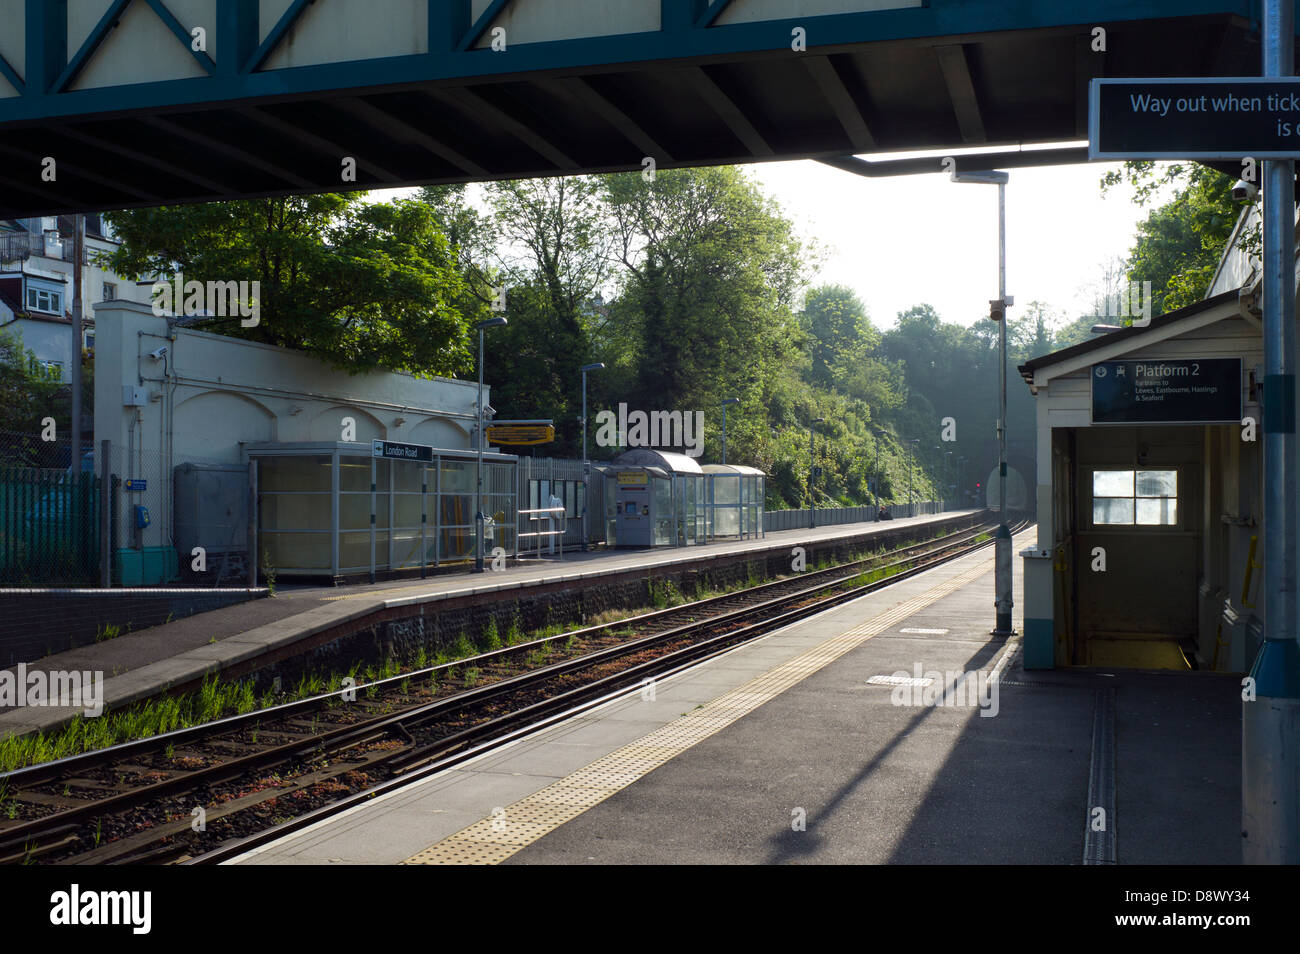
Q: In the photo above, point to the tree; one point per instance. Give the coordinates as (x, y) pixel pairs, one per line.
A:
(361, 285)
(712, 271)
(1179, 245)
(29, 393)
(839, 333)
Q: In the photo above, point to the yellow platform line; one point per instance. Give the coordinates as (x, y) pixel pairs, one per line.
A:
(512, 828)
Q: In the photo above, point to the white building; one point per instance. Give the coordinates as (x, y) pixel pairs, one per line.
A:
(36, 284)
(167, 395)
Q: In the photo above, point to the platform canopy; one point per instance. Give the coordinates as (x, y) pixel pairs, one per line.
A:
(145, 102)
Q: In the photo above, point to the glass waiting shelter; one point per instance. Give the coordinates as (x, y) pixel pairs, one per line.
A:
(336, 509)
(654, 499)
(733, 501)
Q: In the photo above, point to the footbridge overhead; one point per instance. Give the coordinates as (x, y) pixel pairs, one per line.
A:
(146, 102)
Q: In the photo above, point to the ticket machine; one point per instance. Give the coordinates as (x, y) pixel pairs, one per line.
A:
(634, 505)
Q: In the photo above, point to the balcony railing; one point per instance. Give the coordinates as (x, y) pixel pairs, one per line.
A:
(20, 246)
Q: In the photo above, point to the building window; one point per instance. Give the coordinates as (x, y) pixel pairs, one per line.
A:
(90, 341)
(110, 291)
(41, 299)
(1134, 498)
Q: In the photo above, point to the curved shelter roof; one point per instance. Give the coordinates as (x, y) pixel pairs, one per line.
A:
(733, 469)
(669, 462)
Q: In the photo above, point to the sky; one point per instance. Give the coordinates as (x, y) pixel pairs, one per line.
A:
(904, 240)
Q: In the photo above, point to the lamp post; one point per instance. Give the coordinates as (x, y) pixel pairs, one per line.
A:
(876, 470)
(998, 312)
(812, 471)
(961, 471)
(478, 499)
(724, 425)
(586, 464)
(911, 457)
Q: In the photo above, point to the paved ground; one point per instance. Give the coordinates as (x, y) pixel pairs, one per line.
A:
(727, 759)
(139, 665)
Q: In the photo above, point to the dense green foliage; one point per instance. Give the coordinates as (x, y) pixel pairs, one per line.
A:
(363, 285)
(1179, 245)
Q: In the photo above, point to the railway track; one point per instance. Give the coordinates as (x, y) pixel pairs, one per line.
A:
(208, 791)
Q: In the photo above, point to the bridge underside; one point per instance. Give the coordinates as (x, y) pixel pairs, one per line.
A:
(687, 96)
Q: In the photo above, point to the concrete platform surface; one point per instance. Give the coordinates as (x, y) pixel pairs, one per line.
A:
(790, 750)
(139, 665)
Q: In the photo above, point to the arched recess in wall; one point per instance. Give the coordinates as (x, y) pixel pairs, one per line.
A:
(210, 426)
(328, 425)
(440, 432)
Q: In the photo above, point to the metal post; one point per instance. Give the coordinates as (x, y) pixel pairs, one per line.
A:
(586, 465)
(106, 515)
(876, 487)
(812, 471)
(1002, 544)
(911, 512)
(1270, 745)
(373, 478)
(724, 433)
(252, 523)
(74, 366)
(478, 497)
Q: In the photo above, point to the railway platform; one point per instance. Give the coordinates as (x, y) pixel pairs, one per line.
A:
(809, 745)
(236, 638)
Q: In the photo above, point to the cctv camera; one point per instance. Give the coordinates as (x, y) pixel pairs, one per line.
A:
(158, 353)
(1244, 191)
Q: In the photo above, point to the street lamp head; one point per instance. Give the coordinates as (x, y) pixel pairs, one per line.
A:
(988, 177)
(598, 366)
(730, 401)
(491, 322)
(819, 420)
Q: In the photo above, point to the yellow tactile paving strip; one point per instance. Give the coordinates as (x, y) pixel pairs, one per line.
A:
(512, 828)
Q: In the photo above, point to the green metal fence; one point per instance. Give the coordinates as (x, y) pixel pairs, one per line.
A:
(49, 527)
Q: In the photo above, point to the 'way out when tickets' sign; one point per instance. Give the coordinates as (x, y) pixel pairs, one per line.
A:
(1167, 391)
(1226, 118)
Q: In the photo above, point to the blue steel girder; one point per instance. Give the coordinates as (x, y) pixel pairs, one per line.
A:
(693, 92)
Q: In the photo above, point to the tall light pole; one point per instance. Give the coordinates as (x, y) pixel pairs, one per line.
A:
(812, 471)
(876, 495)
(724, 425)
(586, 464)
(478, 499)
(998, 311)
(911, 457)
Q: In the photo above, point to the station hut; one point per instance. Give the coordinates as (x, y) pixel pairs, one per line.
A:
(1149, 495)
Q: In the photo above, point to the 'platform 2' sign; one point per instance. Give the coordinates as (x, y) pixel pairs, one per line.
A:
(1167, 391)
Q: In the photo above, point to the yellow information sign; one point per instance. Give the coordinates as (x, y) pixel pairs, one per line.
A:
(632, 478)
(520, 433)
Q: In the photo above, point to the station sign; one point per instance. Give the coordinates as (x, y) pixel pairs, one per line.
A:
(633, 478)
(520, 432)
(1167, 391)
(396, 451)
(1224, 118)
